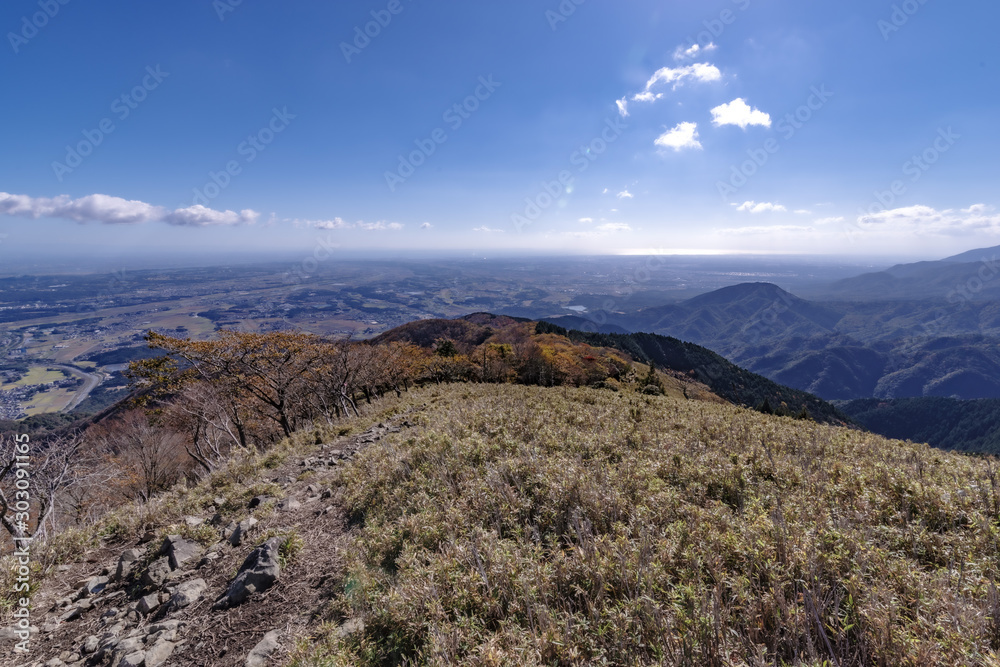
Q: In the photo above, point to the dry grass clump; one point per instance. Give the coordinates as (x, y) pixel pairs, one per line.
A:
(530, 526)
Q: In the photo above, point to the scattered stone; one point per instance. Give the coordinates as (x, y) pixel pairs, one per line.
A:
(258, 573)
(136, 659)
(158, 653)
(148, 603)
(218, 501)
(90, 644)
(313, 490)
(156, 573)
(163, 626)
(50, 627)
(186, 594)
(54, 662)
(71, 614)
(236, 538)
(289, 505)
(260, 654)
(180, 550)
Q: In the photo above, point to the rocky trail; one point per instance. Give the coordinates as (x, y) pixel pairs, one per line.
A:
(234, 586)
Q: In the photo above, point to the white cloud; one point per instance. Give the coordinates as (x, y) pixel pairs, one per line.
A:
(488, 230)
(802, 211)
(977, 219)
(684, 135)
(586, 221)
(426, 225)
(830, 221)
(378, 226)
(199, 216)
(336, 223)
(761, 207)
(692, 51)
(625, 194)
(702, 72)
(623, 106)
(109, 210)
(646, 97)
(739, 113)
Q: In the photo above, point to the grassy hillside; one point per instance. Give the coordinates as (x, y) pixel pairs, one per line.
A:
(600, 528)
(495, 524)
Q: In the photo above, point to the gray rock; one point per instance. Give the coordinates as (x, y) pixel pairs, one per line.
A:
(258, 573)
(125, 563)
(156, 573)
(136, 659)
(158, 653)
(289, 505)
(164, 625)
(260, 655)
(90, 644)
(238, 535)
(180, 550)
(93, 586)
(193, 521)
(148, 603)
(71, 614)
(187, 594)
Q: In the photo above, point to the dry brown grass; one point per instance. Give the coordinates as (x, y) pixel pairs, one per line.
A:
(528, 526)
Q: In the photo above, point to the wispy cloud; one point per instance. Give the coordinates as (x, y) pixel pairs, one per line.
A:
(701, 72)
(426, 225)
(690, 53)
(682, 136)
(978, 218)
(622, 107)
(739, 113)
(487, 230)
(625, 194)
(760, 207)
(378, 226)
(108, 210)
(586, 221)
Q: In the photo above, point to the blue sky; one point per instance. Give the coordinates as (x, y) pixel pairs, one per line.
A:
(858, 127)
